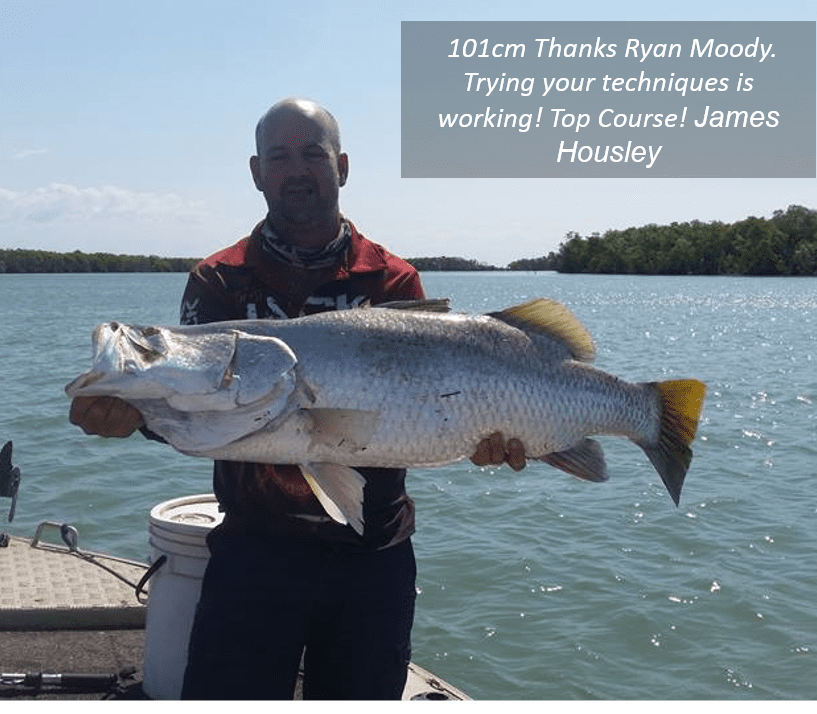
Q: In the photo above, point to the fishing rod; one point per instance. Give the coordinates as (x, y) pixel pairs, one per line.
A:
(34, 683)
(46, 680)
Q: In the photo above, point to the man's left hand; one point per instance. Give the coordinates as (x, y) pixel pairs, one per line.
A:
(496, 451)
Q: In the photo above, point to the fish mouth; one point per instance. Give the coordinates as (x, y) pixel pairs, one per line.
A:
(82, 383)
(117, 351)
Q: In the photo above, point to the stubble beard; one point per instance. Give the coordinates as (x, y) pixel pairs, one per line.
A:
(308, 224)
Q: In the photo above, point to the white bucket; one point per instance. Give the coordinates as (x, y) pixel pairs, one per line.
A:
(177, 530)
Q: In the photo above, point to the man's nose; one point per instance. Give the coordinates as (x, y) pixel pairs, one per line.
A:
(299, 166)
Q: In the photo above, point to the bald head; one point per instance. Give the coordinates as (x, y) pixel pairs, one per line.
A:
(303, 107)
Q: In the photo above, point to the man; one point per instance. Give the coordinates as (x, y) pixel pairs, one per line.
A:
(283, 576)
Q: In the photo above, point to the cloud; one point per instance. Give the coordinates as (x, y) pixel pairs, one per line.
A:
(25, 153)
(65, 202)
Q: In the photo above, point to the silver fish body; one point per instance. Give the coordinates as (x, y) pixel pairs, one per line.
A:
(391, 388)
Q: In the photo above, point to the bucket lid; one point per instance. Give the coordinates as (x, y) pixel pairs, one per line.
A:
(189, 514)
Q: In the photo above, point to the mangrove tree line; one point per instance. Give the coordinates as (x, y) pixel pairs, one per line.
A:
(42, 261)
(785, 244)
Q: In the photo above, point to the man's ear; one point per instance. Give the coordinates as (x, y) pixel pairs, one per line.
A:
(255, 170)
(343, 168)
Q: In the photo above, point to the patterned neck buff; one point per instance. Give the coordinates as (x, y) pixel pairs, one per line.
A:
(306, 258)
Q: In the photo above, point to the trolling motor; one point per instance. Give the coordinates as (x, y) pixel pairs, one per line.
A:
(9, 485)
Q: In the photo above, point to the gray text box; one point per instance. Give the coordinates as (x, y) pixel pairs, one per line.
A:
(608, 99)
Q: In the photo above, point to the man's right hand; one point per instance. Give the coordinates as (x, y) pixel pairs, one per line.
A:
(104, 416)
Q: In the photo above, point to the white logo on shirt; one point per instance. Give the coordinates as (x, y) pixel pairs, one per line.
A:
(341, 302)
(190, 312)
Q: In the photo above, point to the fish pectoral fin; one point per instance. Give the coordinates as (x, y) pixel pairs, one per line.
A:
(349, 430)
(339, 490)
(584, 461)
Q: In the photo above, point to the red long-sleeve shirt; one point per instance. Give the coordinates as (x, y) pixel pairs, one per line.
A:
(244, 282)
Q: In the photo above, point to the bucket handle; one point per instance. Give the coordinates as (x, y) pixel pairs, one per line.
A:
(149, 573)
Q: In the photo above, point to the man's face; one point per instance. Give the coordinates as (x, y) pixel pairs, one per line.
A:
(300, 174)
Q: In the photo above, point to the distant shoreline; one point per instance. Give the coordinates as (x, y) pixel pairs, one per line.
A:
(785, 244)
(22, 260)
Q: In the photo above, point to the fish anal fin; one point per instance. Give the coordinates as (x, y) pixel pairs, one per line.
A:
(584, 461)
(554, 320)
(346, 429)
(339, 490)
(681, 404)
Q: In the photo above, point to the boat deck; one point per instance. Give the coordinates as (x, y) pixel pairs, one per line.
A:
(104, 652)
(65, 611)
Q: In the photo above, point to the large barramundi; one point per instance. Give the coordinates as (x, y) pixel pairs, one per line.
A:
(390, 387)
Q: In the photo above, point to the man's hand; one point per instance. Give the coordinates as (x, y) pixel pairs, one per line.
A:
(494, 450)
(104, 416)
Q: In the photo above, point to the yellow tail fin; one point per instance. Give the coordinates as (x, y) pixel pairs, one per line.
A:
(681, 404)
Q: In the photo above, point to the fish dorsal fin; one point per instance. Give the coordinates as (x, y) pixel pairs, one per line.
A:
(339, 490)
(551, 319)
(424, 305)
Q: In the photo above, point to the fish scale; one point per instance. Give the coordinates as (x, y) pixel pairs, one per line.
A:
(389, 387)
(446, 388)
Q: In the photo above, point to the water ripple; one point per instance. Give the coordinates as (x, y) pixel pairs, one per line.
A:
(531, 585)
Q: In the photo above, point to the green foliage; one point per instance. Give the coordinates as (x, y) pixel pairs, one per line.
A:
(532, 264)
(41, 261)
(785, 244)
(446, 263)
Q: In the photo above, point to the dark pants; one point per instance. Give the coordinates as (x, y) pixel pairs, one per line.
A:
(263, 601)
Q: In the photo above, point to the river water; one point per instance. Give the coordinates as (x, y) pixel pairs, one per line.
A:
(531, 585)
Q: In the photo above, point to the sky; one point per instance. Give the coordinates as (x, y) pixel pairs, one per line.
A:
(126, 126)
